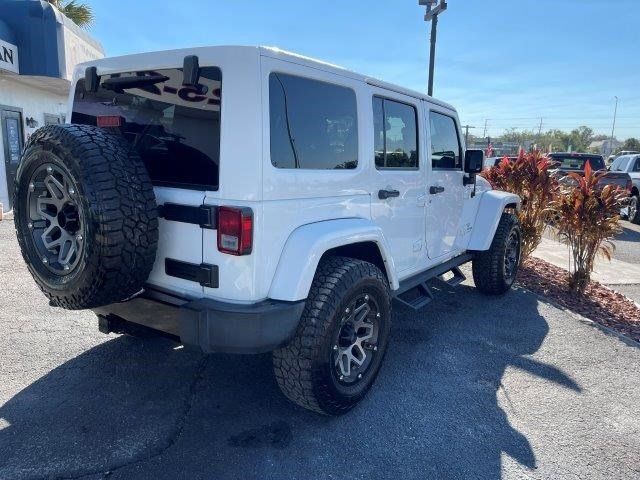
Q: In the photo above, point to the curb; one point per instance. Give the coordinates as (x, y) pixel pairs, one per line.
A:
(622, 337)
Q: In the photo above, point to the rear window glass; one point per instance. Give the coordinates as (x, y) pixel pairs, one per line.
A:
(570, 162)
(174, 128)
(314, 125)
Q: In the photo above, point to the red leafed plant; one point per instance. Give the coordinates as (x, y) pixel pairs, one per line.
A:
(528, 177)
(587, 218)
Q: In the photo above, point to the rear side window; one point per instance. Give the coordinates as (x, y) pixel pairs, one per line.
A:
(395, 133)
(175, 129)
(636, 166)
(314, 125)
(445, 145)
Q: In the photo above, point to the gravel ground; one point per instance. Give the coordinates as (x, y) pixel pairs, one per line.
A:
(472, 387)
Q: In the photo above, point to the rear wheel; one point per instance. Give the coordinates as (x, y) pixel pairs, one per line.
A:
(495, 270)
(341, 340)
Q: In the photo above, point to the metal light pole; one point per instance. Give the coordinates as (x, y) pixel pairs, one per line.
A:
(613, 127)
(433, 10)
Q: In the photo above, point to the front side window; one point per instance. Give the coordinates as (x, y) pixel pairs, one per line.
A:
(395, 134)
(445, 145)
(314, 125)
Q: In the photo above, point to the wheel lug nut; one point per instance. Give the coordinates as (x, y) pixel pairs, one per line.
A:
(346, 310)
(375, 348)
(359, 375)
(30, 225)
(32, 187)
(71, 191)
(378, 315)
(366, 298)
(49, 169)
(66, 267)
(335, 347)
(341, 377)
(44, 260)
(79, 237)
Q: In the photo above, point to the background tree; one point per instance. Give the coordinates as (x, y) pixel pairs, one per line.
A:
(79, 13)
(631, 144)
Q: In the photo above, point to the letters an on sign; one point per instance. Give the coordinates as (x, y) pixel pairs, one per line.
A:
(8, 57)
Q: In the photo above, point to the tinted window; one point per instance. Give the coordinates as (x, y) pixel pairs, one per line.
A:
(314, 125)
(445, 145)
(620, 164)
(636, 166)
(578, 162)
(395, 134)
(175, 129)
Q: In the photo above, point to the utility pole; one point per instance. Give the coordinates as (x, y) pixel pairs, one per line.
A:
(484, 134)
(433, 10)
(466, 134)
(613, 128)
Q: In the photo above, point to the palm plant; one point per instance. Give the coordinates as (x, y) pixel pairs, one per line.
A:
(587, 218)
(528, 177)
(80, 13)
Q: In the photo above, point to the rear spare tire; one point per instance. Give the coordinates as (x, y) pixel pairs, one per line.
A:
(85, 215)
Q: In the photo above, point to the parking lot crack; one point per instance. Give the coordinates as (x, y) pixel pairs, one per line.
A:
(159, 450)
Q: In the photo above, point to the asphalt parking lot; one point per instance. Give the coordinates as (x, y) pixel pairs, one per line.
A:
(472, 387)
(627, 249)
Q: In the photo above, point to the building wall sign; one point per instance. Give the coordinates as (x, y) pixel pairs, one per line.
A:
(9, 57)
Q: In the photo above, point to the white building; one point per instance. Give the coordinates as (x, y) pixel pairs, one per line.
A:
(39, 48)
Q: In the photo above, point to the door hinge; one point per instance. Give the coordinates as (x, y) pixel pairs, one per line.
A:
(204, 274)
(204, 215)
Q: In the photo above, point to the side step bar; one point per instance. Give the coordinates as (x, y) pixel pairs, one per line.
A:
(415, 293)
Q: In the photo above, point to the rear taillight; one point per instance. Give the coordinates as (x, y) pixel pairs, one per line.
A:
(235, 230)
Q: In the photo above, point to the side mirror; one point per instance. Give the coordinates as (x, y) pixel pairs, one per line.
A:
(473, 161)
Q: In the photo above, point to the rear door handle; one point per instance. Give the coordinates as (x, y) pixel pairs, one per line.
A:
(384, 194)
(433, 190)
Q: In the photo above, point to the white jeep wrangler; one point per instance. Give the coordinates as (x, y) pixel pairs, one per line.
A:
(247, 200)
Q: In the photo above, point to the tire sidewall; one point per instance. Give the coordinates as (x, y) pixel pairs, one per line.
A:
(49, 152)
(514, 226)
(325, 379)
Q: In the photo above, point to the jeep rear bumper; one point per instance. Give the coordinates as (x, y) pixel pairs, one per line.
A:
(211, 325)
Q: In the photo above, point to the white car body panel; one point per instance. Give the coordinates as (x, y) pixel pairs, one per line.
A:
(492, 204)
(299, 214)
(308, 243)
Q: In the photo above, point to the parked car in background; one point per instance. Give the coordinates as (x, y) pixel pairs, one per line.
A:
(494, 161)
(576, 162)
(629, 165)
(612, 157)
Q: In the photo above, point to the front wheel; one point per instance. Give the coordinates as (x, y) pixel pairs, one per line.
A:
(495, 270)
(633, 210)
(341, 340)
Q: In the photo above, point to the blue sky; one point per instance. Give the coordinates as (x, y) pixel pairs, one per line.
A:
(509, 61)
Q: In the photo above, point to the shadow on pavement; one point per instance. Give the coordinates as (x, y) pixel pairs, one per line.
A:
(145, 409)
(627, 234)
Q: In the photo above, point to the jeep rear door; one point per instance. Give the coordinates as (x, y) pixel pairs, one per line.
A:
(398, 195)
(176, 131)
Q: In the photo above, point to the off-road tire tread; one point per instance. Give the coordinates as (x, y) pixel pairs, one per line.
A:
(117, 188)
(293, 364)
(636, 217)
(487, 266)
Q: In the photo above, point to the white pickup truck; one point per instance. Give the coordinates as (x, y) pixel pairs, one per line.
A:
(630, 164)
(245, 200)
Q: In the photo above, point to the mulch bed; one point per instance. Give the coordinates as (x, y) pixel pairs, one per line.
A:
(599, 303)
